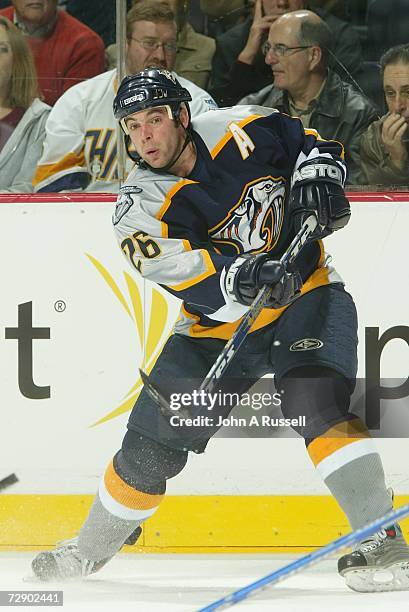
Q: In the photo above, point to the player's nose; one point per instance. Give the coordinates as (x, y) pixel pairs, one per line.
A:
(146, 133)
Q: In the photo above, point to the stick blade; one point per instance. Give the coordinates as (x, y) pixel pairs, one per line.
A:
(156, 394)
(8, 481)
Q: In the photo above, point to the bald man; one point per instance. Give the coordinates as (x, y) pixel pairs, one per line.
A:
(238, 64)
(297, 55)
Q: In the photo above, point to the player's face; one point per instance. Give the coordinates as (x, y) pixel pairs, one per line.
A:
(276, 7)
(291, 69)
(152, 45)
(6, 60)
(155, 136)
(396, 88)
(36, 12)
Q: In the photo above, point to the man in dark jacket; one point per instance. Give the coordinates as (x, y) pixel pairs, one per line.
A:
(238, 64)
(296, 53)
(385, 145)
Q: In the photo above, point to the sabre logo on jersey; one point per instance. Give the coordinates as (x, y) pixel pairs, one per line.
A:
(254, 224)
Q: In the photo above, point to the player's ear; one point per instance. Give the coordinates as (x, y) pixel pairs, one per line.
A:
(184, 116)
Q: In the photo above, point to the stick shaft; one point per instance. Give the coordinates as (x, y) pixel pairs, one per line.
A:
(306, 561)
(230, 350)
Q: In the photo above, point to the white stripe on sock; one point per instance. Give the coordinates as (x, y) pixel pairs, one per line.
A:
(344, 455)
(119, 510)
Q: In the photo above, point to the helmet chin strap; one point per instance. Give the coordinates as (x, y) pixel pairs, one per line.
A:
(165, 169)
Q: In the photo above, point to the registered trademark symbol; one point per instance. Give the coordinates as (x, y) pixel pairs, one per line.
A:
(60, 306)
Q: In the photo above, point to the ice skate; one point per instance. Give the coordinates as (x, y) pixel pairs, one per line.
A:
(66, 563)
(380, 563)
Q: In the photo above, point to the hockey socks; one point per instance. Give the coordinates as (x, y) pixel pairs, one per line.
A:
(118, 509)
(347, 460)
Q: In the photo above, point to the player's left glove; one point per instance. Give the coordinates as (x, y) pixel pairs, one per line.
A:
(249, 273)
(318, 186)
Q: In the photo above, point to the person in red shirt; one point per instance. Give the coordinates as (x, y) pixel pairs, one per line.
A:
(65, 50)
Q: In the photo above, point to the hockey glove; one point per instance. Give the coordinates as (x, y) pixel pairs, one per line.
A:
(318, 186)
(249, 273)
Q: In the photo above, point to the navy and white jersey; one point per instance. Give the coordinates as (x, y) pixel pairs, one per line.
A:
(184, 233)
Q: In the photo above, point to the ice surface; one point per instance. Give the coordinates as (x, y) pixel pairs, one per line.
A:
(185, 583)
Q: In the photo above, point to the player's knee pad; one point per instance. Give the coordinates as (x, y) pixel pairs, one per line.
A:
(146, 465)
(321, 395)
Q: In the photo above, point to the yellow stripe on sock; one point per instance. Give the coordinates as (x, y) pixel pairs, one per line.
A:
(335, 438)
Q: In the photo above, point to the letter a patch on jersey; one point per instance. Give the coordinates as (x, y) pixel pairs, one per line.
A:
(243, 140)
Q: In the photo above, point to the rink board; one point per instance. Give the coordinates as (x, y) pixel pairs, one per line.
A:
(273, 523)
(64, 408)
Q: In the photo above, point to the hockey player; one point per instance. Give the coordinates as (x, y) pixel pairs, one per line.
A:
(80, 145)
(206, 213)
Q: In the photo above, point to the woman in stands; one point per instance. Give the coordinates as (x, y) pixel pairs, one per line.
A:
(22, 113)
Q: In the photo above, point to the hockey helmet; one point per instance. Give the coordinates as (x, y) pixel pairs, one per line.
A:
(146, 89)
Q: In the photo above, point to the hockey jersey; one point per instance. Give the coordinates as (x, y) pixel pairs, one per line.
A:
(80, 151)
(184, 233)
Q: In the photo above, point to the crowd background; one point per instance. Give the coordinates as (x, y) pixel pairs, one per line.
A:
(342, 67)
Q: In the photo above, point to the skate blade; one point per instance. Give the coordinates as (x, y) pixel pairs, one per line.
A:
(33, 579)
(373, 580)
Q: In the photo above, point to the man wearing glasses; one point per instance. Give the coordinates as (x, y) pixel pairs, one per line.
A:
(238, 64)
(297, 53)
(194, 51)
(80, 147)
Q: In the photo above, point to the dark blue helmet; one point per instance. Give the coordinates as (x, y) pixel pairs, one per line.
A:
(148, 88)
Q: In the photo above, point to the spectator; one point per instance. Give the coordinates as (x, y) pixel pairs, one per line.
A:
(80, 146)
(65, 50)
(22, 114)
(384, 146)
(194, 51)
(296, 52)
(224, 14)
(238, 64)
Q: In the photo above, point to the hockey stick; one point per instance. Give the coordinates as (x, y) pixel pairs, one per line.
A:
(224, 359)
(230, 350)
(308, 560)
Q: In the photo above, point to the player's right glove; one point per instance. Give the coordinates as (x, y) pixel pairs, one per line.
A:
(317, 187)
(249, 273)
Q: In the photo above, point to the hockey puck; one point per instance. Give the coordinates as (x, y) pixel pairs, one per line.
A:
(8, 481)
